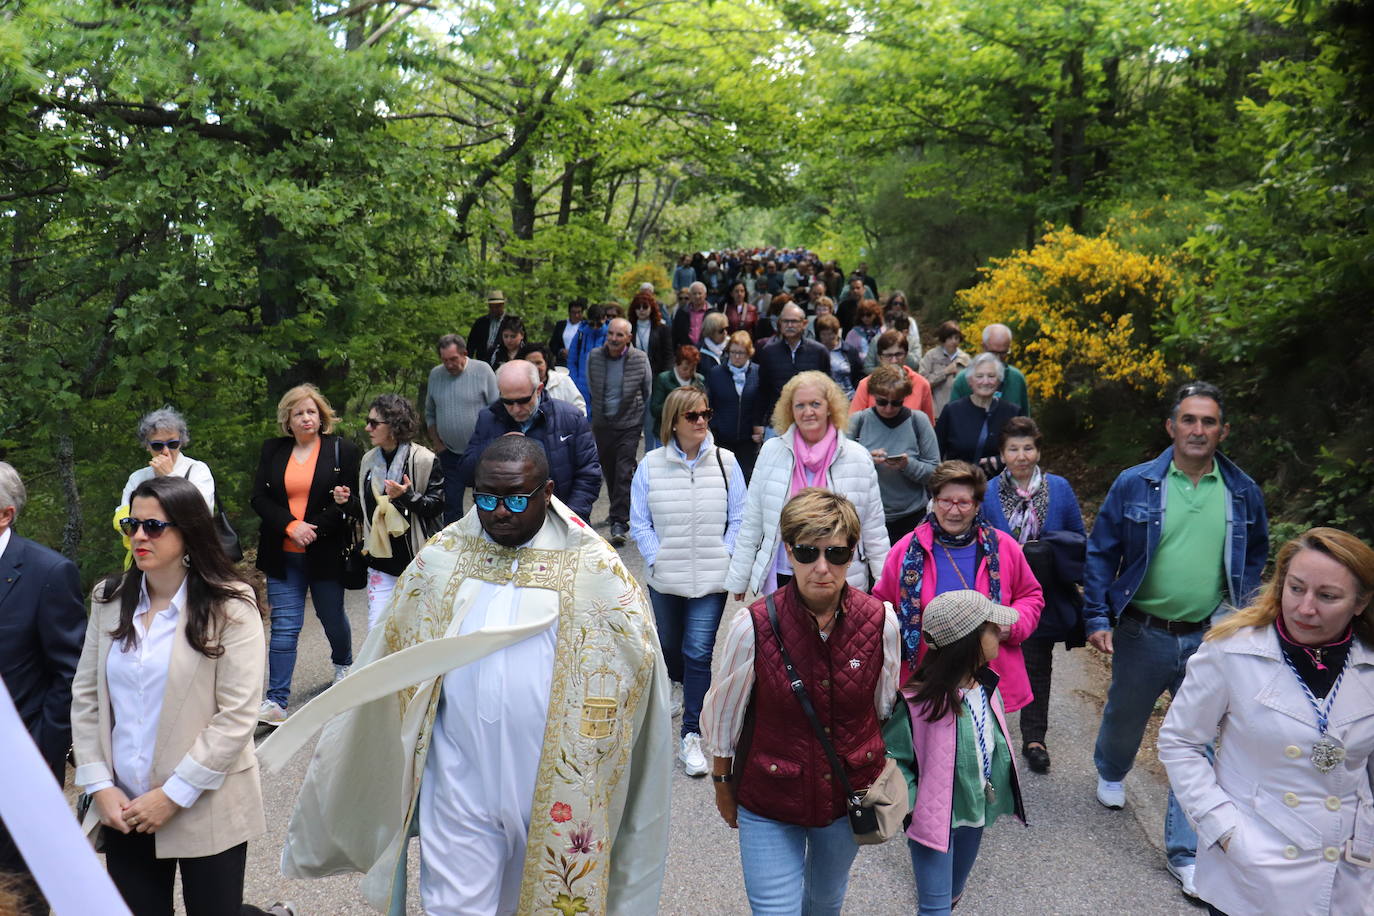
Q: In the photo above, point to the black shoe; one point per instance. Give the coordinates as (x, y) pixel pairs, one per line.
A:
(1038, 757)
(618, 531)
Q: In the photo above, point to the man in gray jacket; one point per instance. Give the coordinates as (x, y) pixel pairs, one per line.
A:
(620, 381)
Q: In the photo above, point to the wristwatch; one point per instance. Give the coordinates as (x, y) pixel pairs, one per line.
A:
(722, 777)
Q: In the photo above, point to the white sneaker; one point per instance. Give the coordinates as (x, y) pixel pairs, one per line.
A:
(1111, 794)
(1184, 874)
(675, 704)
(690, 753)
(340, 672)
(270, 713)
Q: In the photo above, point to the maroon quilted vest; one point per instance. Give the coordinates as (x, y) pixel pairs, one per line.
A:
(786, 775)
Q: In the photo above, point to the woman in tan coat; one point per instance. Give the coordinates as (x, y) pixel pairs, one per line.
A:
(164, 705)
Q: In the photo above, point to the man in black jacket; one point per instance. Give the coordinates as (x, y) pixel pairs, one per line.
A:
(42, 628)
(560, 427)
(486, 330)
(565, 330)
(783, 358)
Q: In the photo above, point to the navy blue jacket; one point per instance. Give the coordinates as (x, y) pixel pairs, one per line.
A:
(777, 365)
(566, 435)
(732, 420)
(1129, 525)
(42, 629)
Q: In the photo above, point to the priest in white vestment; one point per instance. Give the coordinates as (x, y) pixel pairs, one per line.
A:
(512, 709)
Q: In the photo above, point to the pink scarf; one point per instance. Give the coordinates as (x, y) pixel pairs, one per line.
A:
(808, 470)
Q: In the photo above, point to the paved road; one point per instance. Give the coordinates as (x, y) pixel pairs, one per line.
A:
(1076, 857)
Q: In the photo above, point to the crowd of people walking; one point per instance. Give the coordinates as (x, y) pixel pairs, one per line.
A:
(777, 431)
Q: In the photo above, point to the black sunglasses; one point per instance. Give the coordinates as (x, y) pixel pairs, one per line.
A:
(887, 402)
(373, 423)
(151, 526)
(158, 445)
(511, 402)
(691, 416)
(809, 553)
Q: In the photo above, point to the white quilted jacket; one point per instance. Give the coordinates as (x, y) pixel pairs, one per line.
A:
(851, 474)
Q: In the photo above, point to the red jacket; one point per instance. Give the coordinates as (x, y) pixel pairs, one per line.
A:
(786, 775)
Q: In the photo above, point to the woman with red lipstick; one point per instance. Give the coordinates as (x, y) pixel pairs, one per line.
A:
(164, 706)
(1285, 814)
(302, 492)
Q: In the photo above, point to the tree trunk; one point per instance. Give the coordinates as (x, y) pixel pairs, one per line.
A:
(66, 474)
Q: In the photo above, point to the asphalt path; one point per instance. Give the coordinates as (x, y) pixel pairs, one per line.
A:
(1075, 857)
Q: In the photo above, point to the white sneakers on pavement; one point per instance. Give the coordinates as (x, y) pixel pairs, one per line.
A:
(691, 755)
(675, 703)
(340, 672)
(1184, 874)
(270, 713)
(1111, 794)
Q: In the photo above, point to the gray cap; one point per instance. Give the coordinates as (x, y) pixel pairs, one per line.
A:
(953, 615)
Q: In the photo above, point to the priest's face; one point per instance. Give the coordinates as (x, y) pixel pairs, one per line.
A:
(512, 478)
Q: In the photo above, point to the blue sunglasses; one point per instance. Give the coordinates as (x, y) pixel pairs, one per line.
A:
(515, 502)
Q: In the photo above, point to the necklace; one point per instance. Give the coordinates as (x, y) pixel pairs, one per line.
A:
(980, 727)
(1327, 752)
(957, 571)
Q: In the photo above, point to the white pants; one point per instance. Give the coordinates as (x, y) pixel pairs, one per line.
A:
(379, 589)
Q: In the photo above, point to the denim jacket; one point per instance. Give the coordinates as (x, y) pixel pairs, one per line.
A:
(1128, 529)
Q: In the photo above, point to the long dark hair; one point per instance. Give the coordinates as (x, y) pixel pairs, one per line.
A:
(943, 672)
(211, 580)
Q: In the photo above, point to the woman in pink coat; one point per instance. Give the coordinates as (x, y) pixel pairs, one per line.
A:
(951, 550)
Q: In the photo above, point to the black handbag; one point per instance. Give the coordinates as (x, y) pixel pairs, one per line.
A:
(354, 564)
(228, 537)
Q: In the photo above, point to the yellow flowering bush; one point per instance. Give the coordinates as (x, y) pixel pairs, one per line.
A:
(1081, 309)
(628, 282)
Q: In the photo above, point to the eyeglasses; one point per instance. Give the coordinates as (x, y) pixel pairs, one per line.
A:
(158, 445)
(373, 423)
(791, 321)
(515, 502)
(807, 554)
(963, 505)
(151, 526)
(511, 402)
(693, 416)
(887, 402)
(893, 354)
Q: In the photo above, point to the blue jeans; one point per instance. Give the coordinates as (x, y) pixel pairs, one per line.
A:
(1147, 662)
(651, 440)
(450, 461)
(286, 597)
(687, 635)
(940, 876)
(790, 870)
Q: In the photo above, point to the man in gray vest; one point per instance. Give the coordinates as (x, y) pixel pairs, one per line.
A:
(620, 381)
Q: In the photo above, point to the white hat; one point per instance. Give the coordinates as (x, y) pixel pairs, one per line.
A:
(953, 615)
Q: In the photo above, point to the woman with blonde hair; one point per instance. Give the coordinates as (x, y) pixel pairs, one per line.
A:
(301, 491)
(810, 450)
(686, 502)
(1285, 813)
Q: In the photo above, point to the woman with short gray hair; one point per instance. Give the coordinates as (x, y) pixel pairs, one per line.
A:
(970, 429)
(164, 434)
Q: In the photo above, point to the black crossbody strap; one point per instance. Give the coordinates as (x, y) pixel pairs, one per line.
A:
(799, 689)
(725, 477)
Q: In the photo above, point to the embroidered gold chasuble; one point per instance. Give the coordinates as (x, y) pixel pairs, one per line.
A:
(598, 833)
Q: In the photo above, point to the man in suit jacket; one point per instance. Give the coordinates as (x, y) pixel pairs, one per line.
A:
(486, 330)
(43, 622)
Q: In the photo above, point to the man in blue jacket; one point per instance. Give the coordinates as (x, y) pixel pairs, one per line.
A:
(1178, 540)
(561, 428)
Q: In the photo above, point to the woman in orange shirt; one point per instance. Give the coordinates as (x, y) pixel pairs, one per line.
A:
(301, 492)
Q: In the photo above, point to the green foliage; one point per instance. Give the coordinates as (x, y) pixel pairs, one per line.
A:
(650, 272)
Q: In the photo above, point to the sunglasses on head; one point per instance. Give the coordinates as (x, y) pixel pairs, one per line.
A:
(692, 416)
(515, 502)
(151, 526)
(887, 402)
(835, 556)
(158, 445)
(511, 402)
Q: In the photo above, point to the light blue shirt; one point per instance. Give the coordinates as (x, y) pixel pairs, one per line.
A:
(642, 524)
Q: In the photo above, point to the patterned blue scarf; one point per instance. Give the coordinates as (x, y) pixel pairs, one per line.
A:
(913, 569)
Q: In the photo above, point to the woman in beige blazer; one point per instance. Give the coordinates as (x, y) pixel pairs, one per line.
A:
(164, 705)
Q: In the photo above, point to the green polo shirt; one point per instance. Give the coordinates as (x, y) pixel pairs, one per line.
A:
(1186, 579)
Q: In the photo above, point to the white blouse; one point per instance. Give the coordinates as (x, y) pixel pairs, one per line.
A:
(136, 679)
